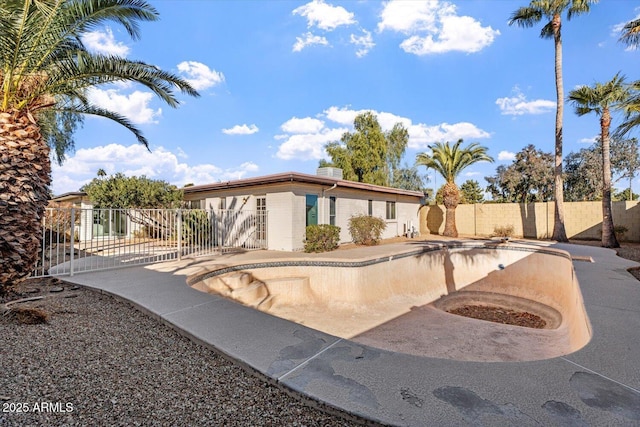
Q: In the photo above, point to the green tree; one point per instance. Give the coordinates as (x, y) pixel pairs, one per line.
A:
(449, 160)
(625, 194)
(471, 192)
(583, 169)
(45, 74)
(121, 192)
(551, 11)
(601, 99)
(368, 154)
(408, 178)
(528, 179)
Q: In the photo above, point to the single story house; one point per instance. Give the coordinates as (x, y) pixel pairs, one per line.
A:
(93, 223)
(294, 200)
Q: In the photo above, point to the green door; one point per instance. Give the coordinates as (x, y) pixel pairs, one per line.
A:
(312, 209)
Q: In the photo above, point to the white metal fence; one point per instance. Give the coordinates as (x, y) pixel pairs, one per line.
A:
(76, 240)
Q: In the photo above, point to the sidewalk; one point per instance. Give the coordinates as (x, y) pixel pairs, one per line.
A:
(597, 385)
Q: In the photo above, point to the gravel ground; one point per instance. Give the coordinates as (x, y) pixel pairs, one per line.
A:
(99, 361)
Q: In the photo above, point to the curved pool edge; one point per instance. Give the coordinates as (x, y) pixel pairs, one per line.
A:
(355, 312)
(397, 389)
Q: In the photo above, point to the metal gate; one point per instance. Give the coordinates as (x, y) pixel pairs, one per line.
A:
(76, 240)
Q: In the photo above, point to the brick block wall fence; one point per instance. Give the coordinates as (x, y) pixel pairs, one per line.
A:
(583, 220)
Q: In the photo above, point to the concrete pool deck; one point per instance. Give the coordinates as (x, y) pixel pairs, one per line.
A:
(597, 385)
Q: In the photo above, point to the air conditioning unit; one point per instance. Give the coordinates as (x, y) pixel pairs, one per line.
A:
(330, 172)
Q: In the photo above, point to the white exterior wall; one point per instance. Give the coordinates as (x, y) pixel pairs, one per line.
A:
(286, 207)
(280, 235)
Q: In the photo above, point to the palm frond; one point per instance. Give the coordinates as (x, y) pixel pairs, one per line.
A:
(631, 33)
(102, 112)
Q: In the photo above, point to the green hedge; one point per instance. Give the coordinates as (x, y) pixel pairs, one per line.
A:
(321, 238)
(366, 230)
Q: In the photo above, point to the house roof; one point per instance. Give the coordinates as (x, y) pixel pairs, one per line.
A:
(299, 178)
(68, 196)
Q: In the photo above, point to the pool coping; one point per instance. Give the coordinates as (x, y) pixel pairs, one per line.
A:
(399, 389)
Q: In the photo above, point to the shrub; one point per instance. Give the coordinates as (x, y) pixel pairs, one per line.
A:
(503, 231)
(620, 231)
(321, 238)
(196, 227)
(366, 230)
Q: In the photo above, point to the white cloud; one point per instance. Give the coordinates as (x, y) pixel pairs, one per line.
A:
(345, 116)
(591, 140)
(135, 159)
(421, 135)
(518, 105)
(308, 146)
(134, 106)
(305, 125)
(472, 174)
(506, 155)
(364, 43)
(410, 16)
(104, 42)
(434, 27)
(324, 16)
(310, 135)
(199, 75)
(241, 130)
(308, 39)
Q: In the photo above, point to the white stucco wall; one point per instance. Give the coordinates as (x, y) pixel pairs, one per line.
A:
(286, 207)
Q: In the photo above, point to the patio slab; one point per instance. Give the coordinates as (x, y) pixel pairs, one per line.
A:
(597, 385)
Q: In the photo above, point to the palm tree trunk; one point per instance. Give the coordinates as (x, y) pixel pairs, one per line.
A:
(24, 192)
(559, 233)
(608, 233)
(451, 196)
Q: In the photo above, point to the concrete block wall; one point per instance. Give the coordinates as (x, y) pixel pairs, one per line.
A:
(583, 220)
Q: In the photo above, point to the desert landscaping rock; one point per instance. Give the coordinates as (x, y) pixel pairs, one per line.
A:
(118, 366)
(56, 289)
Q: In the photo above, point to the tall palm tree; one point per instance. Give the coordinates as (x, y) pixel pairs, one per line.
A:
(449, 161)
(45, 72)
(528, 16)
(601, 99)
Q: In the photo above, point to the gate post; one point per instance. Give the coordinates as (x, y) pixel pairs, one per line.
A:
(179, 212)
(73, 240)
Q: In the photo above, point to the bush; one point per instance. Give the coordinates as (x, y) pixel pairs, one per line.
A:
(620, 231)
(196, 227)
(366, 230)
(503, 231)
(321, 238)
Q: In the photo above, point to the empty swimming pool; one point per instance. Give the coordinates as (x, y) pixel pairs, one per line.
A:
(399, 302)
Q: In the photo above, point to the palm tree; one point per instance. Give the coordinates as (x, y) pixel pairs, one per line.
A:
(527, 17)
(631, 108)
(45, 72)
(601, 99)
(631, 33)
(449, 161)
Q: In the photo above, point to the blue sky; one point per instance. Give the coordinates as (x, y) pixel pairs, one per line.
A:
(280, 79)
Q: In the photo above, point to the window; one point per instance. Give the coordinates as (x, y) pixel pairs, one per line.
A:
(222, 205)
(261, 220)
(332, 210)
(370, 210)
(391, 210)
(195, 204)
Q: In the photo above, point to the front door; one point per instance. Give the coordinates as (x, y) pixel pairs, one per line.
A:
(312, 209)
